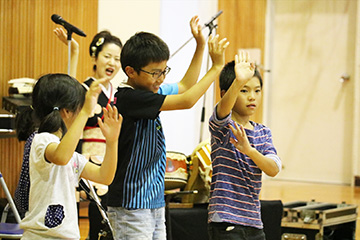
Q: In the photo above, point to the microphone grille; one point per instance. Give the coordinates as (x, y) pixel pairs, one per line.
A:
(56, 18)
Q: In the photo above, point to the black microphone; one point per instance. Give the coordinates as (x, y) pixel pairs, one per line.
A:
(71, 28)
(213, 18)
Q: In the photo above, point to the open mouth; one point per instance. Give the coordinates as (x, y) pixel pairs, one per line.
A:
(251, 106)
(109, 71)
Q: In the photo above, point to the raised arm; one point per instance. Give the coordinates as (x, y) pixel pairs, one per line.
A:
(61, 153)
(74, 55)
(244, 72)
(192, 74)
(188, 99)
(110, 128)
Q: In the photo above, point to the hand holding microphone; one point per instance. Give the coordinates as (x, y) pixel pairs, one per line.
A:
(70, 28)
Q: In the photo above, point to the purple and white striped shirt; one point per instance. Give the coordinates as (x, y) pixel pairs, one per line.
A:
(236, 179)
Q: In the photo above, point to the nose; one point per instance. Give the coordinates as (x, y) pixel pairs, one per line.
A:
(112, 61)
(161, 79)
(251, 96)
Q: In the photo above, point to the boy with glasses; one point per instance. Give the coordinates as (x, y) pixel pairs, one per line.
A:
(136, 206)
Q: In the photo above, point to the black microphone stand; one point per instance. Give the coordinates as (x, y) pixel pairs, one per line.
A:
(209, 24)
(212, 27)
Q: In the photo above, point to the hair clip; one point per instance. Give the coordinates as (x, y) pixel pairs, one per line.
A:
(93, 51)
(100, 41)
(56, 109)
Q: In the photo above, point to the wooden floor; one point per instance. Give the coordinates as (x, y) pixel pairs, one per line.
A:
(287, 192)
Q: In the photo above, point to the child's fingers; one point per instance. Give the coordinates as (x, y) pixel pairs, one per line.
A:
(242, 57)
(115, 112)
(223, 45)
(242, 129)
(95, 85)
(236, 133)
(109, 110)
(233, 141)
(210, 42)
(100, 122)
(106, 112)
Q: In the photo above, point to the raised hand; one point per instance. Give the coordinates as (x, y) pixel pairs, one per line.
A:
(196, 31)
(111, 126)
(62, 36)
(217, 50)
(91, 97)
(240, 141)
(244, 70)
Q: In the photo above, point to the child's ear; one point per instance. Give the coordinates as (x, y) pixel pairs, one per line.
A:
(65, 113)
(130, 71)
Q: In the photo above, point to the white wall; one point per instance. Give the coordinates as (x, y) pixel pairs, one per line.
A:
(168, 19)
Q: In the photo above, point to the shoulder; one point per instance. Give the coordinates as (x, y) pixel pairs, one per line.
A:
(214, 119)
(259, 126)
(45, 137)
(261, 130)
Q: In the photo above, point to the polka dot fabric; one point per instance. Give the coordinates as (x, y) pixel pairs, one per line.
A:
(54, 216)
(21, 197)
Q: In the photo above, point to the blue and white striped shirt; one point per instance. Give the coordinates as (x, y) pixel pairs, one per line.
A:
(139, 179)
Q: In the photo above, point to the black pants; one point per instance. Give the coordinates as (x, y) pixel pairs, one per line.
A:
(228, 231)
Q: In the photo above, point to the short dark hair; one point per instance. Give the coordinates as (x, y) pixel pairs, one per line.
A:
(143, 48)
(227, 76)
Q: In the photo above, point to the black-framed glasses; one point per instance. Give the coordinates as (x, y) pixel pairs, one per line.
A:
(157, 75)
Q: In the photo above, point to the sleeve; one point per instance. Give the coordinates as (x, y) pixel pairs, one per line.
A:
(269, 149)
(169, 89)
(219, 129)
(78, 163)
(138, 104)
(39, 145)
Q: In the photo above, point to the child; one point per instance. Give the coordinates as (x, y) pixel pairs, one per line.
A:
(92, 142)
(104, 51)
(136, 196)
(55, 168)
(238, 159)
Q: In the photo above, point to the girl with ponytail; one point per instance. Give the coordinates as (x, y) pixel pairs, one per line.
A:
(61, 108)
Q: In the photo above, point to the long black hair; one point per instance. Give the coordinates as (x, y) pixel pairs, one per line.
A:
(51, 93)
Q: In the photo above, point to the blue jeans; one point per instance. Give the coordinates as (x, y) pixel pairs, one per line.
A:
(139, 224)
(228, 231)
